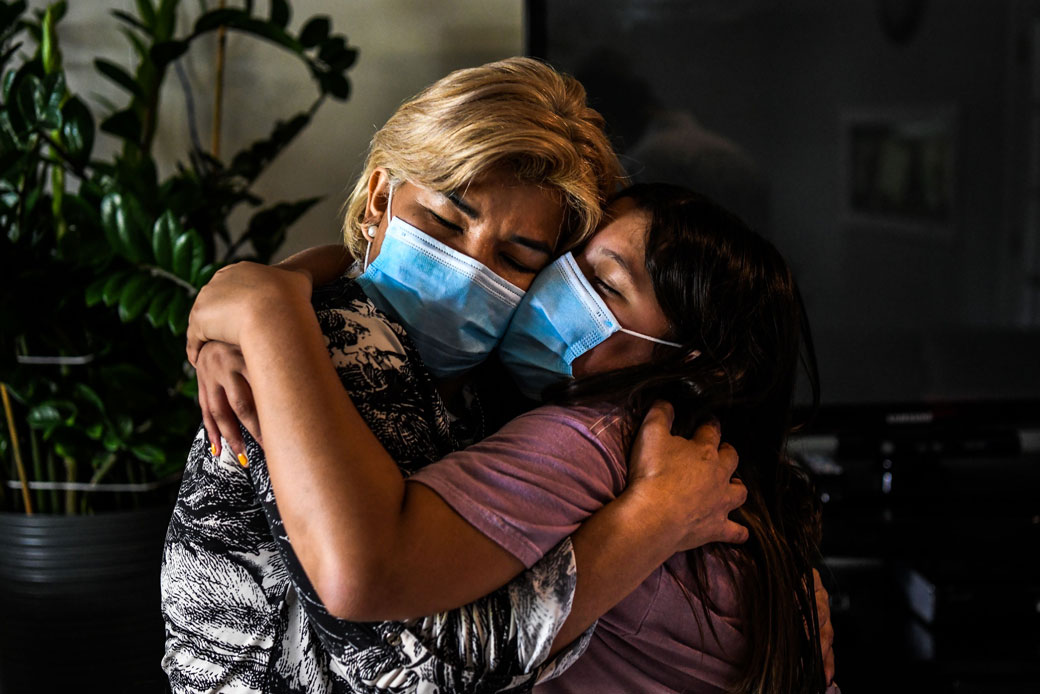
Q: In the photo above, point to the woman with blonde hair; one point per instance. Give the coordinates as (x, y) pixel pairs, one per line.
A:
(673, 298)
(504, 166)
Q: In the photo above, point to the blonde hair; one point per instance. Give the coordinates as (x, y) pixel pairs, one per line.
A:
(518, 113)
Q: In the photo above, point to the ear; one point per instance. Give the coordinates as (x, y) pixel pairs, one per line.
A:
(378, 190)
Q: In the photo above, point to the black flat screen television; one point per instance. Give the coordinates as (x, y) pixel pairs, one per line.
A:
(889, 148)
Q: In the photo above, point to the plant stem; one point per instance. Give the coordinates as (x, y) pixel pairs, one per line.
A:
(37, 466)
(218, 97)
(104, 468)
(56, 148)
(70, 494)
(52, 474)
(17, 450)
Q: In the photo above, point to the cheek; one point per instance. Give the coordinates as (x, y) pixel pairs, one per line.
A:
(616, 352)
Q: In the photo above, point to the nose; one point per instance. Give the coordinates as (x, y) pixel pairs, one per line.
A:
(480, 247)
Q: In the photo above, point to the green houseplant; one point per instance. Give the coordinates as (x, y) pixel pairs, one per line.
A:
(100, 258)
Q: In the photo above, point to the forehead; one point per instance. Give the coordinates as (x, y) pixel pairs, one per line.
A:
(623, 233)
(512, 206)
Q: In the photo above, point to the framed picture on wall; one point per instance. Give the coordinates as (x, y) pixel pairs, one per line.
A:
(899, 169)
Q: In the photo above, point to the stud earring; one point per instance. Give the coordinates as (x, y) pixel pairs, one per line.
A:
(371, 231)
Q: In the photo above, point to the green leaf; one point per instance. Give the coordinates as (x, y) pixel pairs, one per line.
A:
(281, 13)
(166, 19)
(131, 20)
(159, 306)
(250, 162)
(88, 394)
(44, 416)
(315, 31)
(177, 318)
(110, 219)
(111, 442)
(190, 388)
(29, 99)
(124, 124)
(205, 274)
(335, 53)
(139, 45)
(166, 229)
(77, 130)
(267, 227)
(168, 51)
(94, 292)
(119, 76)
(5, 85)
(148, 453)
(335, 84)
(124, 426)
(55, 90)
(113, 288)
(95, 430)
(238, 19)
(123, 219)
(147, 12)
(189, 254)
(134, 298)
(15, 131)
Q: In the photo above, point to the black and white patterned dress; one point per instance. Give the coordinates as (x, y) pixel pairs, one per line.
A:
(240, 614)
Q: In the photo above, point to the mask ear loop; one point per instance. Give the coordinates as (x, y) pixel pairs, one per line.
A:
(370, 231)
(652, 339)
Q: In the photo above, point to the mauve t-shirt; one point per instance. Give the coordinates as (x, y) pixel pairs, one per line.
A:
(531, 485)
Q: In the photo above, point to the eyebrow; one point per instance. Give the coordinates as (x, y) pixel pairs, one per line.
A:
(463, 206)
(472, 213)
(618, 259)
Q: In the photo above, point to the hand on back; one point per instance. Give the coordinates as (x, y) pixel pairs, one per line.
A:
(233, 296)
(687, 484)
(225, 396)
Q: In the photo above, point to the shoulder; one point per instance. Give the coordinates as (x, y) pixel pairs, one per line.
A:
(348, 317)
(602, 426)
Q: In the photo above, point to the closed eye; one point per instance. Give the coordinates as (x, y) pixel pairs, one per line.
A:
(517, 265)
(444, 222)
(606, 287)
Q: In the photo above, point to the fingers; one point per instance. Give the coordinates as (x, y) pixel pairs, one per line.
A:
(729, 458)
(226, 421)
(240, 399)
(827, 645)
(709, 434)
(212, 432)
(735, 533)
(192, 348)
(823, 612)
(738, 493)
(661, 414)
(193, 341)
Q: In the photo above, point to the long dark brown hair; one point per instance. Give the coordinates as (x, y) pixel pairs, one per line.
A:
(729, 295)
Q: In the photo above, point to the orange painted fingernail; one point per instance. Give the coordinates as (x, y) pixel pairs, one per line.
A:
(242, 460)
(213, 449)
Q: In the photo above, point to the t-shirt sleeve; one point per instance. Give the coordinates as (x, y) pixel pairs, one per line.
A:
(533, 483)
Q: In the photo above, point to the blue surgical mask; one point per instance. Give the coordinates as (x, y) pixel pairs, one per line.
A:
(454, 308)
(560, 318)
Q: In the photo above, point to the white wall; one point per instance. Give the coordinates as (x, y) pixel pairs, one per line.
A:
(404, 45)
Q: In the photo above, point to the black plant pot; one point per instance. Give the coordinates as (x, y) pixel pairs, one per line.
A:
(79, 602)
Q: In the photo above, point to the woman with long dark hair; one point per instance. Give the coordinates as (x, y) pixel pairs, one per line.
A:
(673, 299)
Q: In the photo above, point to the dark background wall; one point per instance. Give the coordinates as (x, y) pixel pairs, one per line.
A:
(892, 301)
